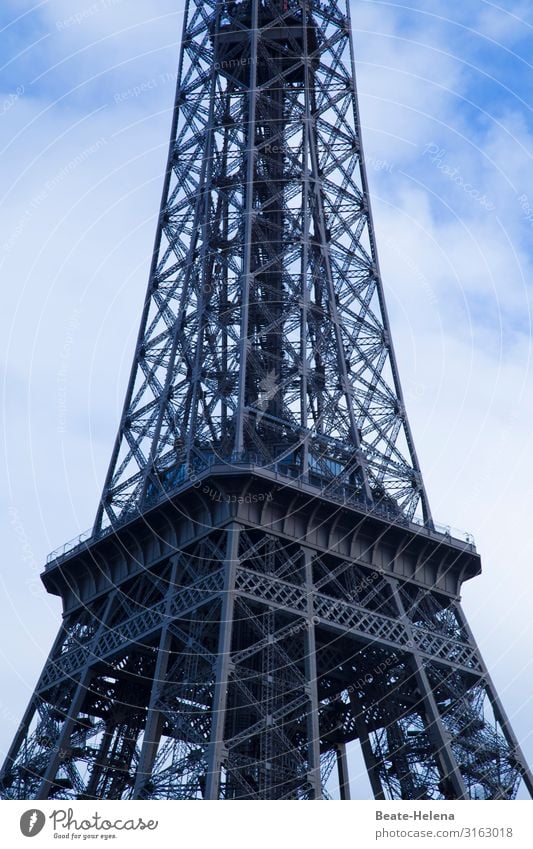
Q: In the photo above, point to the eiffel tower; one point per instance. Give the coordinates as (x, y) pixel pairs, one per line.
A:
(264, 582)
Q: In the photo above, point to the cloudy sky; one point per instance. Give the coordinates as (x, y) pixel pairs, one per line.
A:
(445, 89)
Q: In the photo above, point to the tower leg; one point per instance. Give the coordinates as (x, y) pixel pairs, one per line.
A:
(15, 747)
(499, 712)
(342, 767)
(62, 743)
(29, 713)
(76, 705)
(152, 729)
(371, 762)
(313, 731)
(99, 762)
(451, 774)
(223, 665)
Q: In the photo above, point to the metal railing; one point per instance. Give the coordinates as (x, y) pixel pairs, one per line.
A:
(175, 477)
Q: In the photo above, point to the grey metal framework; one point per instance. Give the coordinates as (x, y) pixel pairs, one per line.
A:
(264, 582)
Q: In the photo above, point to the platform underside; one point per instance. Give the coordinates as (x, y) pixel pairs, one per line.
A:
(239, 663)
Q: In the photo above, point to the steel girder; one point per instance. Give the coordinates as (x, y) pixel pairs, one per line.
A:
(239, 663)
(243, 665)
(264, 331)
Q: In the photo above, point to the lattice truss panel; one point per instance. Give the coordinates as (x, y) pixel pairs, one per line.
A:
(403, 751)
(122, 709)
(264, 330)
(322, 652)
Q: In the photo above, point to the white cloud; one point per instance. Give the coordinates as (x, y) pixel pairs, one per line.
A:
(505, 23)
(79, 241)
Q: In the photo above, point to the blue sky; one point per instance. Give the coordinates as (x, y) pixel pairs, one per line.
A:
(85, 96)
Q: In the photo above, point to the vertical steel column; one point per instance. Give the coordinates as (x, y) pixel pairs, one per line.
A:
(333, 311)
(499, 712)
(98, 764)
(249, 213)
(61, 744)
(437, 733)
(371, 762)
(98, 522)
(29, 713)
(152, 728)
(313, 730)
(342, 767)
(426, 510)
(306, 203)
(201, 198)
(217, 749)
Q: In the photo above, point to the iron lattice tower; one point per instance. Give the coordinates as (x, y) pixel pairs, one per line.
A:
(264, 582)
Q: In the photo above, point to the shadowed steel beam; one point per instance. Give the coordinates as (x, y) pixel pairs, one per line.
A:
(152, 728)
(217, 749)
(264, 544)
(313, 728)
(435, 728)
(344, 776)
